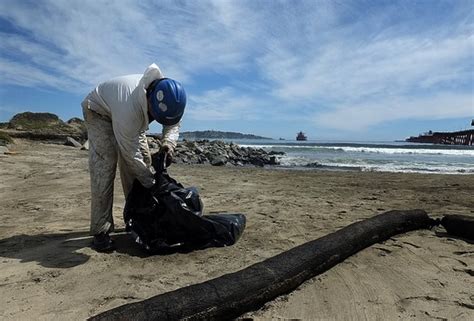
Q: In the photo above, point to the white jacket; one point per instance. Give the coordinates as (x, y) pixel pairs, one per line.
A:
(123, 100)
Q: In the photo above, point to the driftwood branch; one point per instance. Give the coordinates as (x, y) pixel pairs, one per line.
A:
(231, 295)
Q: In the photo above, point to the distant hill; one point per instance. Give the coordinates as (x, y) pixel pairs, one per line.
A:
(213, 134)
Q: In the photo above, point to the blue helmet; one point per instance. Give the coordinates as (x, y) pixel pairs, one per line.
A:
(167, 99)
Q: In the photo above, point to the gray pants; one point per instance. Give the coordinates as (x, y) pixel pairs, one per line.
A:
(103, 158)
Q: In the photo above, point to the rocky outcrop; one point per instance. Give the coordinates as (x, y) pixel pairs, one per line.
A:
(45, 126)
(35, 121)
(219, 153)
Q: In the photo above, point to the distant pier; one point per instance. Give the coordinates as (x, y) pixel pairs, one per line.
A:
(464, 137)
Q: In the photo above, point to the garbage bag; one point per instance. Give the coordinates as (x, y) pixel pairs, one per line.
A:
(170, 217)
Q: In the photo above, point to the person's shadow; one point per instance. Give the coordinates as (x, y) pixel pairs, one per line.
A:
(49, 250)
(59, 250)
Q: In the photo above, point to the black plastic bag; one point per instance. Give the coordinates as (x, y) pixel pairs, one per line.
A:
(170, 217)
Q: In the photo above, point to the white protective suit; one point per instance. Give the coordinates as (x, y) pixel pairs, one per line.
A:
(116, 116)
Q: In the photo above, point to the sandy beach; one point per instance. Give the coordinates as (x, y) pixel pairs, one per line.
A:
(49, 272)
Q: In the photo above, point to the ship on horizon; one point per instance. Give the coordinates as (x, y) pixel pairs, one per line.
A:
(301, 136)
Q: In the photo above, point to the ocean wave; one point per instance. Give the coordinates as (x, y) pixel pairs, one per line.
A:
(453, 152)
(374, 150)
(360, 165)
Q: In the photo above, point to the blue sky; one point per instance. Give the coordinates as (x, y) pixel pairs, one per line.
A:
(350, 70)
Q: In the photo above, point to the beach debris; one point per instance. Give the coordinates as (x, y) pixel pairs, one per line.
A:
(72, 142)
(170, 217)
(231, 295)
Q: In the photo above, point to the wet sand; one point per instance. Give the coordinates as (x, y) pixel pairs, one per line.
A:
(48, 272)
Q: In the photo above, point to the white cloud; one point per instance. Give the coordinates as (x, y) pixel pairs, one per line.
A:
(362, 116)
(91, 41)
(345, 71)
(18, 74)
(222, 104)
(347, 56)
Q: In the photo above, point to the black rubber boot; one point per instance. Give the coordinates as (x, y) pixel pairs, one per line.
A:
(103, 243)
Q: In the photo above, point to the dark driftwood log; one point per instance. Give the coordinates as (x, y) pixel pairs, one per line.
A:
(459, 225)
(233, 294)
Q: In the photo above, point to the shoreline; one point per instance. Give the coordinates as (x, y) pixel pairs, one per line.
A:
(330, 168)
